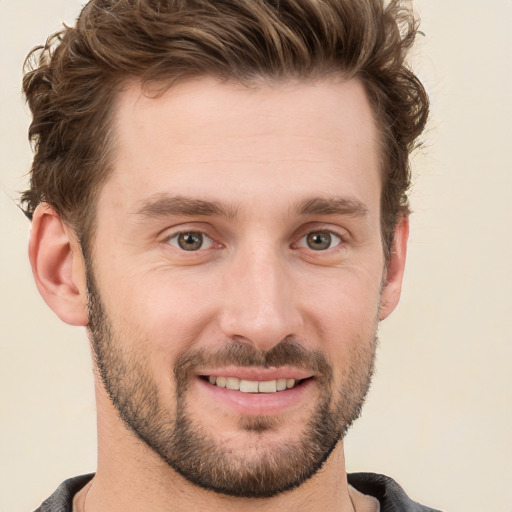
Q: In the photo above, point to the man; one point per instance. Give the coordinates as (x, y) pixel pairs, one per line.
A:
(218, 194)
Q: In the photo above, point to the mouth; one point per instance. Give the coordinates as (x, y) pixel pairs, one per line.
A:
(257, 391)
(253, 386)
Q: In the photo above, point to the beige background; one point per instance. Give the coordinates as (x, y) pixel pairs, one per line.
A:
(439, 418)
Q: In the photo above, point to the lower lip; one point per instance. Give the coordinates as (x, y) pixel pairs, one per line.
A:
(258, 404)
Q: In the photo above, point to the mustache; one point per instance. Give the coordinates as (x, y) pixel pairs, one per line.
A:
(288, 352)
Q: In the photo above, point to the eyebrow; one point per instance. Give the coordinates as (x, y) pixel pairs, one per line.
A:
(163, 205)
(333, 206)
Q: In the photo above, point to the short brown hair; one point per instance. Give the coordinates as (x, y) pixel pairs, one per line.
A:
(78, 73)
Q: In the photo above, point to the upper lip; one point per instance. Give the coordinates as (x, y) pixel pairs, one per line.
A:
(257, 374)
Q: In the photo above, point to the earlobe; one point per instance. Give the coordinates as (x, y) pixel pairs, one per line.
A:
(395, 269)
(57, 266)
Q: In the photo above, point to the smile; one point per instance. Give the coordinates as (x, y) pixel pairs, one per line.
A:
(253, 392)
(253, 386)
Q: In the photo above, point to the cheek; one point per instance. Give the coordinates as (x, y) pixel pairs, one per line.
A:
(346, 321)
(164, 309)
(343, 317)
(344, 300)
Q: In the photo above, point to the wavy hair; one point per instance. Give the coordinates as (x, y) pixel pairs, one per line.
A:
(72, 81)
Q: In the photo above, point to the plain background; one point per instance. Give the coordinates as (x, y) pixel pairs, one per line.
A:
(439, 417)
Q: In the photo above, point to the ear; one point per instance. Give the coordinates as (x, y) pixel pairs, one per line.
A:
(395, 269)
(58, 266)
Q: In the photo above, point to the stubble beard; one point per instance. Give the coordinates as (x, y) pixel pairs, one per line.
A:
(189, 448)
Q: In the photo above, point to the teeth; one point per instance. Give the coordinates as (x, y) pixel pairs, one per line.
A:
(233, 383)
(249, 386)
(281, 384)
(269, 386)
(252, 386)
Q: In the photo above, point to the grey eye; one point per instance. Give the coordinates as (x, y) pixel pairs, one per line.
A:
(190, 240)
(319, 240)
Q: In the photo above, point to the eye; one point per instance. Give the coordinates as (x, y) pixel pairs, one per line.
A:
(319, 240)
(190, 240)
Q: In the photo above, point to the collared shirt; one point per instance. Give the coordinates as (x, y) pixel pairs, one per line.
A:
(390, 495)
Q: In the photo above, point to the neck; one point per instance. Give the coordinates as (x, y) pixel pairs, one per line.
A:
(130, 488)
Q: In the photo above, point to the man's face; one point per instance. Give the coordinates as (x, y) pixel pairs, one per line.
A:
(235, 276)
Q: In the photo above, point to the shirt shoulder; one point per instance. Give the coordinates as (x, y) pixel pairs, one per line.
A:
(391, 496)
(62, 499)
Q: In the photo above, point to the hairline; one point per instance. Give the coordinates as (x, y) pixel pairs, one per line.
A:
(85, 230)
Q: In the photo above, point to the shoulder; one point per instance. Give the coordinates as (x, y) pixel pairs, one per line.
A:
(391, 496)
(62, 499)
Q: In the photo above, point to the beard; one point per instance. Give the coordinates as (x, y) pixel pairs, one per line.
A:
(262, 468)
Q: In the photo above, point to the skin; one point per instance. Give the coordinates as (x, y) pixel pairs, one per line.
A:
(262, 154)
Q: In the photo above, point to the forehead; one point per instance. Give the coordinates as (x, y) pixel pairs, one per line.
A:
(287, 138)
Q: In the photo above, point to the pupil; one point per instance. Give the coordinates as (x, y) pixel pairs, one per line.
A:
(319, 240)
(190, 241)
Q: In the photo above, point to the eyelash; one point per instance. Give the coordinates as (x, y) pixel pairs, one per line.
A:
(333, 237)
(191, 232)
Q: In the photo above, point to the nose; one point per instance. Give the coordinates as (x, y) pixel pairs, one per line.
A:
(260, 305)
